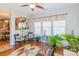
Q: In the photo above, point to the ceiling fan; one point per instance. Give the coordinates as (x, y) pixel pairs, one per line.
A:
(33, 5)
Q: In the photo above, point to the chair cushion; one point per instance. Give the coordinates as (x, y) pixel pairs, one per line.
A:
(18, 39)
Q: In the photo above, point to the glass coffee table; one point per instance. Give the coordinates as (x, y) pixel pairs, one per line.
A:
(32, 51)
(37, 51)
(26, 50)
(29, 50)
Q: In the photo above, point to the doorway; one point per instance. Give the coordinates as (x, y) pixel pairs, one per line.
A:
(4, 28)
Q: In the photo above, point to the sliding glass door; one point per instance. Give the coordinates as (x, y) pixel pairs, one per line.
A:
(47, 28)
(42, 29)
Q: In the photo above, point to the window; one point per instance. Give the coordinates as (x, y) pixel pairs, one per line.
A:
(58, 27)
(46, 28)
(37, 28)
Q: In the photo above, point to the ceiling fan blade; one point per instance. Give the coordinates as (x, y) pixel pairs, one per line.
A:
(38, 6)
(24, 5)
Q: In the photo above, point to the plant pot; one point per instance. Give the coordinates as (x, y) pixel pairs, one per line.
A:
(58, 51)
(78, 53)
(69, 53)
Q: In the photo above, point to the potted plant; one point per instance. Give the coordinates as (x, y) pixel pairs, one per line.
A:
(55, 41)
(77, 45)
(73, 44)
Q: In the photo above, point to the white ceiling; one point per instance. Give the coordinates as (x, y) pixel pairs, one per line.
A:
(27, 11)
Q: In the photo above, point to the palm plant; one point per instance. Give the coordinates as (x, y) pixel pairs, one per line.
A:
(73, 42)
(55, 40)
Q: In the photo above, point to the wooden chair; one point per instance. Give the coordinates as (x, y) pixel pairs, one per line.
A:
(30, 35)
(18, 39)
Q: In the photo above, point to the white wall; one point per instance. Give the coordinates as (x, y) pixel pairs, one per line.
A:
(72, 20)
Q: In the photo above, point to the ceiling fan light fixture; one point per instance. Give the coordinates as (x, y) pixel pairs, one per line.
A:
(32, 6)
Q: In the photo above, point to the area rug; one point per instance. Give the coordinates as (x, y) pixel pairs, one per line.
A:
(4, 47)
(23, 51)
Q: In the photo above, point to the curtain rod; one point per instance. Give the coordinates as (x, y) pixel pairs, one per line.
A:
(50, 16)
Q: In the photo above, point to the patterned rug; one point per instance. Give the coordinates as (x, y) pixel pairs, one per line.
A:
(4, 47)
(26, 50)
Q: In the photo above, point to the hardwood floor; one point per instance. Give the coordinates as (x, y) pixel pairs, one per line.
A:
(7, 52)
(4, 42)
(32, 42)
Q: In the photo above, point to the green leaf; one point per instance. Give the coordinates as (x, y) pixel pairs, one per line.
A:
(55, 40)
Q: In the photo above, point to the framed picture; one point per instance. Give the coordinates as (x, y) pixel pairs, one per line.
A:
(20, 23)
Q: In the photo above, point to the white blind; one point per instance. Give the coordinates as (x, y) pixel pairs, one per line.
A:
(59, 27)
(46, 25)
(37, 28)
